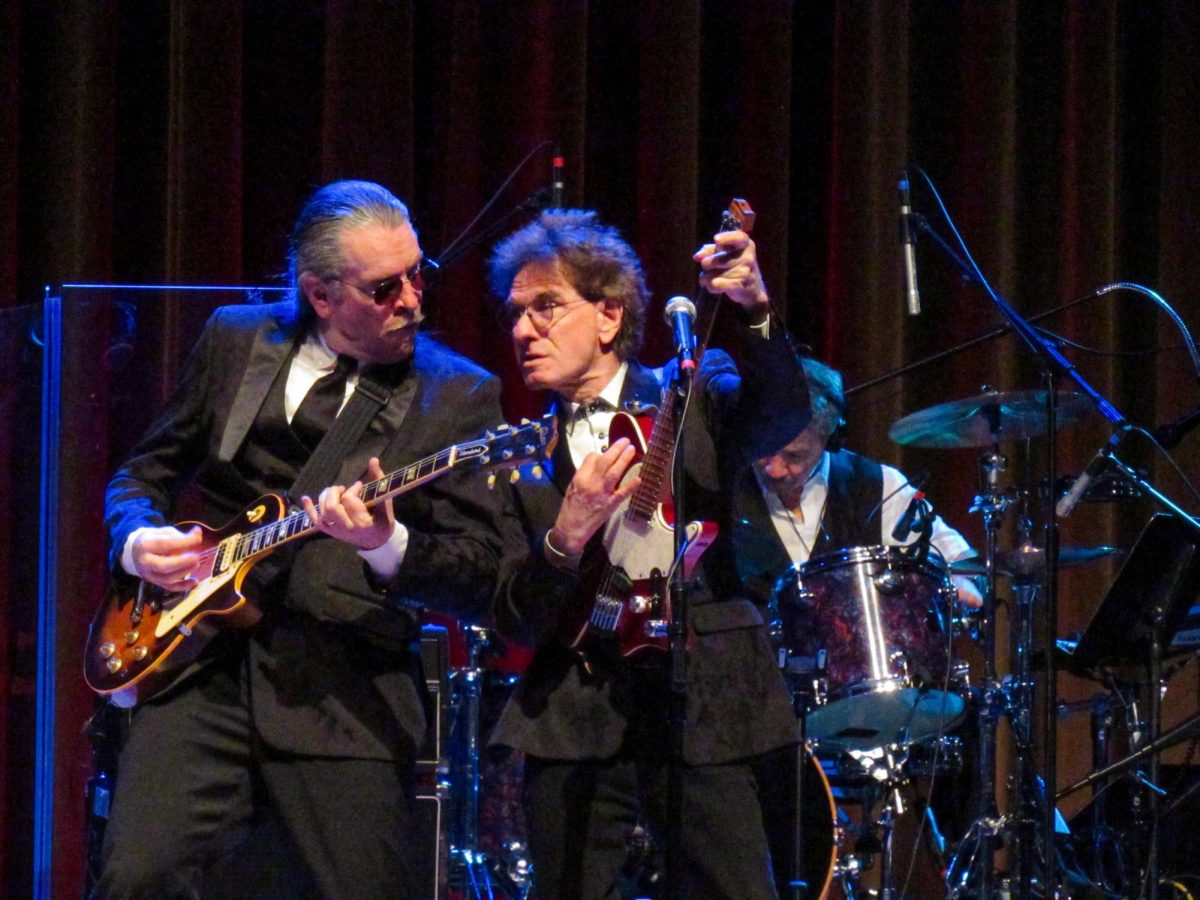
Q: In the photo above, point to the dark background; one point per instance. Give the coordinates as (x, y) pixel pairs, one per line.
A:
(175, 141)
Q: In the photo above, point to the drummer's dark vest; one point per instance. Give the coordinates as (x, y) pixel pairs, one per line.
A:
(854, 491)
(852, 510)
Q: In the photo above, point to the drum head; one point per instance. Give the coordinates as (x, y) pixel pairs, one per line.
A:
(875, 718)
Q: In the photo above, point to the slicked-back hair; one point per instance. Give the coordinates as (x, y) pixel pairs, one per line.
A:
(332, 209)
(594, 259)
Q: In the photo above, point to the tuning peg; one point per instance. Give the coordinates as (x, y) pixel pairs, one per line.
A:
(503, 427)
(491, 481)
(537, 471)
(526, 422)
(514, 476)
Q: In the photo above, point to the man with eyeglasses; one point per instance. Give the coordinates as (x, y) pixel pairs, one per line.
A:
(309, 723)
(594, 727)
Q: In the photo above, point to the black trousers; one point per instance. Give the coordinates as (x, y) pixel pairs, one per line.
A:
(193, 781)
(580, 816)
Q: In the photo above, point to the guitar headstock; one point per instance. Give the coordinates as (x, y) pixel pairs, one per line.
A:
(738, 217)
(508, 446)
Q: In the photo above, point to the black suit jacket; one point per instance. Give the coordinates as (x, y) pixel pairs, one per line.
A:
(331, 669)
(737, 702)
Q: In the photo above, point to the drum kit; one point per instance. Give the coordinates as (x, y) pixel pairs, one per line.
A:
(866, 639)
(897, 778)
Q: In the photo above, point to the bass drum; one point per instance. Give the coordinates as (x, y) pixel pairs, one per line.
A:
(819, 829)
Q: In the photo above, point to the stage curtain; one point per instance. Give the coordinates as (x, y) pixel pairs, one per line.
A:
(175, 142)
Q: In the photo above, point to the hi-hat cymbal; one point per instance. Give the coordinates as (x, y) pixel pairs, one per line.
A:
(986, 419)
(1026, 561)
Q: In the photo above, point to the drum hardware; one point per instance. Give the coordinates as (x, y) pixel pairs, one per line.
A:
(507, 872)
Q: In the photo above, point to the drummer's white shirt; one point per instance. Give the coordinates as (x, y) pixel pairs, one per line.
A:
(799, 533)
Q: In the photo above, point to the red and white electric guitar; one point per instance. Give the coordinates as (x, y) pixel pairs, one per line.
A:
(140, 641)
(632, 606)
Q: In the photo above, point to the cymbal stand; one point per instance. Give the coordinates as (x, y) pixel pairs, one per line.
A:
(480, 876)
(973, 864)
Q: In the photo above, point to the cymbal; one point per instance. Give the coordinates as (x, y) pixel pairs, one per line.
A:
(986, 419)
(1026, 561)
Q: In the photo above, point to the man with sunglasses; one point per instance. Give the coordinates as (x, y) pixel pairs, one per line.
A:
(595, 727)
(308, 724)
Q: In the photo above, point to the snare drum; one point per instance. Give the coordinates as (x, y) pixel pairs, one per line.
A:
(868, 625)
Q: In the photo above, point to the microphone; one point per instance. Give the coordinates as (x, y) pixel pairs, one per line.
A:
(556, 180)
(1084, 481)
(908, 240)
(1173, 432)
(908, 522)
(680, 314)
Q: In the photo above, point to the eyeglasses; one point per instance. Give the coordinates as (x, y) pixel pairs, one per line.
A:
(542, 312)
(389, 289)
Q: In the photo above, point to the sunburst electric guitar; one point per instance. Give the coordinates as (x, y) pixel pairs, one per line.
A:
(142, 639)
(632, 606)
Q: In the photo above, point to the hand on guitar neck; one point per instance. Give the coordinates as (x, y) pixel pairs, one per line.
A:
(729, 266)
(342, 513)
(593, 495)
(168, 558)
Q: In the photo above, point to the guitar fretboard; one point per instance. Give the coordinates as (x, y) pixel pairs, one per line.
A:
(238, 548)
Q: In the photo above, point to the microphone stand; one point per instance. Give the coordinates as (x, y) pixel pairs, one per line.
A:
(1054, 365)
(535, 201)
(681, 389)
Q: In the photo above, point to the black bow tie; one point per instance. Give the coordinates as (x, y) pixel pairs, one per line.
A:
(586, 410)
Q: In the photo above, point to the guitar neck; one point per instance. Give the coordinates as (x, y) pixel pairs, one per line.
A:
(656, 465)
(296, 525)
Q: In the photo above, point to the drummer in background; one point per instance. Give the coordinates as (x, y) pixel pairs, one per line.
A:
(817, 498)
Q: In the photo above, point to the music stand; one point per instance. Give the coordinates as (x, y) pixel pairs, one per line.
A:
(1151, 612)
(1157, 589)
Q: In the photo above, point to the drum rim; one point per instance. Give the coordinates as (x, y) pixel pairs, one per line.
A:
(869, 553)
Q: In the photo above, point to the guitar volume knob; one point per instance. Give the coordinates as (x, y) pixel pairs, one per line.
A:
(107, 649)
(113, 665)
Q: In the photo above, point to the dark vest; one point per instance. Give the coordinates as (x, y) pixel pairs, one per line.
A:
(854, 492)
(852, 508)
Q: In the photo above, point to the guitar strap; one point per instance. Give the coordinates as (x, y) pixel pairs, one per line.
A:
(369, 397)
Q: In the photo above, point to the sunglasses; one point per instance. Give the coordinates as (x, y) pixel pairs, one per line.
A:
(389, 289)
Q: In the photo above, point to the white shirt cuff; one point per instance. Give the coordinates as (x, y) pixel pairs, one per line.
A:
(385, 559)
(127, 552)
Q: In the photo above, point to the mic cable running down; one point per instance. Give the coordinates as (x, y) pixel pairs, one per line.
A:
(908, 242)
(680, 314)
(1094, 468)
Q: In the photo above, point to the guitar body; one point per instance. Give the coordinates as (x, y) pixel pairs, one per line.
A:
(632, 595)
(142, 639)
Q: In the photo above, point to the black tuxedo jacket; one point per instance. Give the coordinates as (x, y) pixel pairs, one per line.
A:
(737, 702)
(331, 667)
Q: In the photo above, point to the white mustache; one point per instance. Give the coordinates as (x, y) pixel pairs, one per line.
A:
(411, 317)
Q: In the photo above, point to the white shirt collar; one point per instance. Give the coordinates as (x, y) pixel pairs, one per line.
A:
(611, 393)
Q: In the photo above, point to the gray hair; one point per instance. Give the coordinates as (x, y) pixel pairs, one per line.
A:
(826, 395)
(330, 211)
(595, 259)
